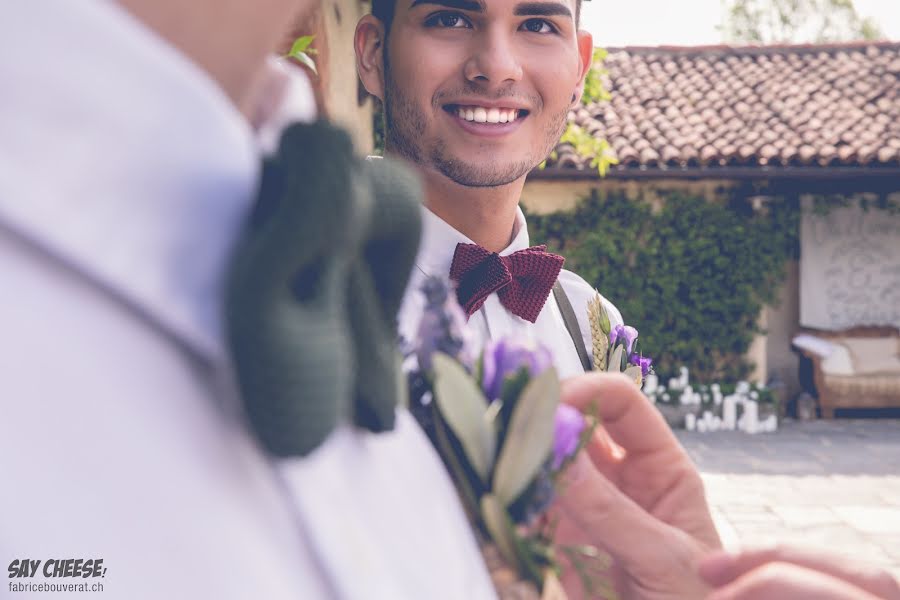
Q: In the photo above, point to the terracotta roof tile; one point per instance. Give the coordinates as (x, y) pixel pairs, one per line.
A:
(775, 106)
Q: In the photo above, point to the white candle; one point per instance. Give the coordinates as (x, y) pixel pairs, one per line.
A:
(751, 416)
(690, 422)
(651, 383)
(729, 413)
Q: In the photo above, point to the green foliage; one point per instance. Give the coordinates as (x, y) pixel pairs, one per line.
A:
(590, 146)
(585, 143)
(378, 128)
(302, 52)
(594, 91)
(692, 277)
(772, 21)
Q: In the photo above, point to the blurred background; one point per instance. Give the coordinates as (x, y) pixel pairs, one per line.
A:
(707, 22)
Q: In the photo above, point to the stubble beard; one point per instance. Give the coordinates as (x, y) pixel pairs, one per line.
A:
(405, 126)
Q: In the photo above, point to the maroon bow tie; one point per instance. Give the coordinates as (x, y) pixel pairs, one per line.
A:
(522, 280)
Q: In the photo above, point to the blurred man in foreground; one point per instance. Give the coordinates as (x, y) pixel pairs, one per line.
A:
(126, 171)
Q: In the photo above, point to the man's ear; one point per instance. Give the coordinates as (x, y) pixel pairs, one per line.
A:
(369, 43)
(586, 53)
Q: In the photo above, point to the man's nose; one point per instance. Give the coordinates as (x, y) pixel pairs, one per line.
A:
(494, 60)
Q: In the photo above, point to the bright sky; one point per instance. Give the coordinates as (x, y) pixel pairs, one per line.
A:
(689, 22)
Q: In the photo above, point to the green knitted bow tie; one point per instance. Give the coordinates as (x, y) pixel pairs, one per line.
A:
(314, 288)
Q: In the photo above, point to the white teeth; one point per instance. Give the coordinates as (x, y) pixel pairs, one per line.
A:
(480, 114)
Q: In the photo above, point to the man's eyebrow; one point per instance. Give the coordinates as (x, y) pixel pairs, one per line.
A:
(470, 5)
(542, 9)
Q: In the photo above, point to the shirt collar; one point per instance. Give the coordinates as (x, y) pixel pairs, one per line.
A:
(439, 240)
(122, 159)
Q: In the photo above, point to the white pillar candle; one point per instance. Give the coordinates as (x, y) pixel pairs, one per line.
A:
(729, 413)
(651, 382)
(690, 422)
(751, 416)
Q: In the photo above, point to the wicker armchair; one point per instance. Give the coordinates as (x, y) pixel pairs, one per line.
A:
(870, 389)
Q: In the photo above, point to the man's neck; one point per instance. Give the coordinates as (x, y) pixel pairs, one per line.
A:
(485, 215)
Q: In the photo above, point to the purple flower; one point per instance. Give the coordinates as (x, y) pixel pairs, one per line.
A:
(617, 332)
(631, 334)
(443, 326)
(568, 427)
(626, 332)
(505, 359)
(641, 361)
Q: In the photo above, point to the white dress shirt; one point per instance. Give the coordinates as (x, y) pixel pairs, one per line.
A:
(492, 321)
(125, 174)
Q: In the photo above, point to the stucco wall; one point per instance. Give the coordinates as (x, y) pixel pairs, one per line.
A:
(542, 196)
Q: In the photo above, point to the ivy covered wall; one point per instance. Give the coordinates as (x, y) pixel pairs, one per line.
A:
(691, 272)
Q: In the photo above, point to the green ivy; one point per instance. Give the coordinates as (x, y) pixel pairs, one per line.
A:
(692, 276)
(593, 81)
(586, 144)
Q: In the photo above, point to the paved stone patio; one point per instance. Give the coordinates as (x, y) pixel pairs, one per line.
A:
(833, 485)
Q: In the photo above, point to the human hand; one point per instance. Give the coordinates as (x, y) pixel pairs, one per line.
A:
(791, 573)
(635, 494)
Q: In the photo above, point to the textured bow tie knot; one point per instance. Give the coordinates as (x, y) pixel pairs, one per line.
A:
(522, 280)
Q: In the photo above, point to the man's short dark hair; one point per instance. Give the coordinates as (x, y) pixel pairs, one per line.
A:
(383, 10)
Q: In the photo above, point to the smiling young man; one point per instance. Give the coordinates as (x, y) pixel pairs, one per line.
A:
(476, 94)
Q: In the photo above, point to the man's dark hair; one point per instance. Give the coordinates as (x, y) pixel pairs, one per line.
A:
(383, 10)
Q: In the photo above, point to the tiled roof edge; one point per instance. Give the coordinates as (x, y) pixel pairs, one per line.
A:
(755, 50)
(744, 173)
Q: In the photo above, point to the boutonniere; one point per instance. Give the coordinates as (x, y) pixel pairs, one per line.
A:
(615, 348)
(496, 420)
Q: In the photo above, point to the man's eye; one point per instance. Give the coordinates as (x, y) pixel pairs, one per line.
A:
(538, 26)
(447, 20)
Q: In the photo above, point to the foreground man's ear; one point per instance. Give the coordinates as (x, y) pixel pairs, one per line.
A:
(369, 43)
(586, 53)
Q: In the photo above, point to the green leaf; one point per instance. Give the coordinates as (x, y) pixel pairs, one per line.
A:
(615, 363)
(529, 438)
(496, 520)
(306, 61)
(301, 44)
(634, 373)
(463, 406)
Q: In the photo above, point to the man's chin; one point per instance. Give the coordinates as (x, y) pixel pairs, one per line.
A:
(478, 174)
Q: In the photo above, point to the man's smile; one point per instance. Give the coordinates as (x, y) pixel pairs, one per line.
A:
(481, 114)
(486, 120)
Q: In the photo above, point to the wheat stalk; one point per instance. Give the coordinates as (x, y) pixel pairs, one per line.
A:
(600, 339)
